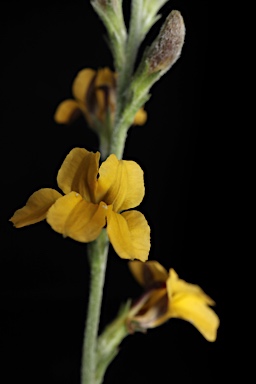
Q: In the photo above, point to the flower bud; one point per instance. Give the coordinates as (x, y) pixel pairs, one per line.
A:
(166, 48)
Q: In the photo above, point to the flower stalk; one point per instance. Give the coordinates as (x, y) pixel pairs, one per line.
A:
(124, 95)
(109, 341)
(97, 253)
(111, 14)
(95, 207)
(94, 361)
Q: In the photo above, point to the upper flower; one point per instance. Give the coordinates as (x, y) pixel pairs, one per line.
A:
(94, 197)
(95, 97)
(167, 296)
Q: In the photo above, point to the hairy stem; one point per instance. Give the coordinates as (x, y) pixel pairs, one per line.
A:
(97, 252)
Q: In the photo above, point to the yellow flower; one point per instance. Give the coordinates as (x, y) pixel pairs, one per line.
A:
(94, 197)
(167, 296)
(95, 97)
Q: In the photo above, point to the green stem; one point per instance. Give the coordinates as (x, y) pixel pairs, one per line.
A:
(97, 252)
(118, 143)
(135, 34)
(124, 77)
(109, 341)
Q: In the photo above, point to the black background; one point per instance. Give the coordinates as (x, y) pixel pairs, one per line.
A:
(44, 278)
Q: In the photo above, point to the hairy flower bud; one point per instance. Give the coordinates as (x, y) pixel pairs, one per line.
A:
(166, 48)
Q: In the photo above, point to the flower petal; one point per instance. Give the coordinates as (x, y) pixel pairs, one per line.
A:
(36, 207)
(78, 173)
(67, 112)
(193, 309)
(129, 234)
(140, 117)
(105, 77)
(189, 302)
(74, 217)
(176, 285)
(148, 273)
(120, 183)
(82, 83)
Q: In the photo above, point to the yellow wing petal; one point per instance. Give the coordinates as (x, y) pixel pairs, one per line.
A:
(67, 111)
(78, 173)
(193, 309)
(148, 273)
(129, 234)
(36, 207)
(177, 285)
(82, 83)
(120, 183)
(74, 217)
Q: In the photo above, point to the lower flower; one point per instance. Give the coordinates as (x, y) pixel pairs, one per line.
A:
(167, 296)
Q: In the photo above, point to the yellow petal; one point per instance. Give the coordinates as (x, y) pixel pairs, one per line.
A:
(105, 77)
(74, 217)
(189, 302)
(176, 285)
(36, 207)
(191, 308)
(78, 173)
(120, 183)
(82, 83)
(148, 273)
(140, 117)
(129, 234)
(67, 111)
